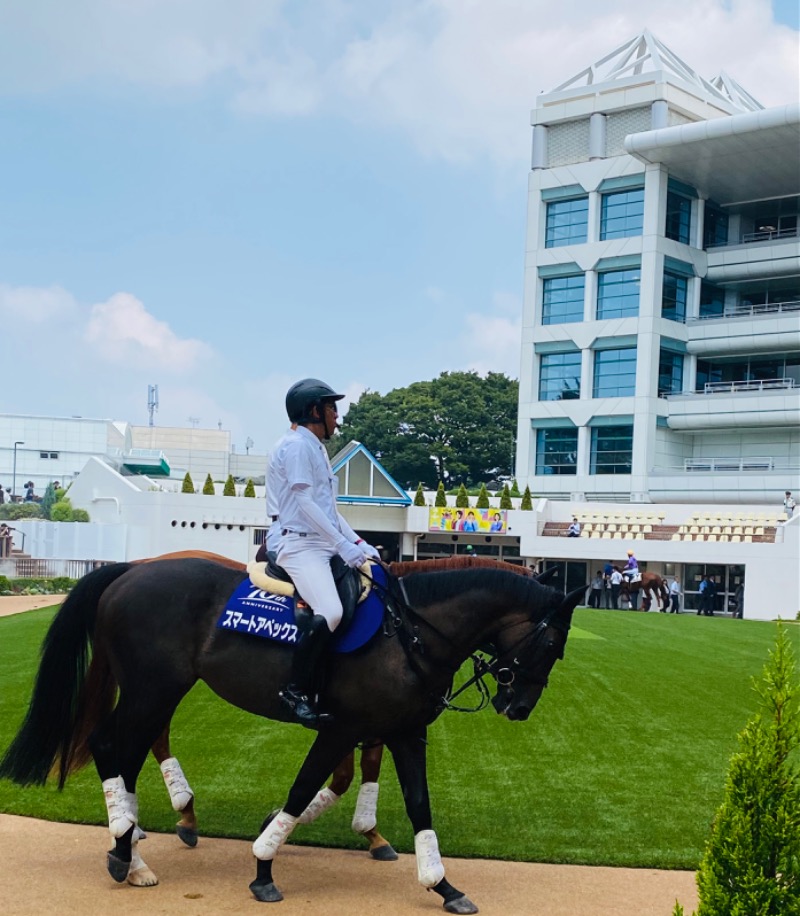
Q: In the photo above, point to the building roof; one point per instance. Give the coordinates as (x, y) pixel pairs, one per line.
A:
(744, 157)
(363, 479)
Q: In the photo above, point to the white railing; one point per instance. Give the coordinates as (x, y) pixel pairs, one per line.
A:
(749, 310)
(153, 453)
(771, 384)
(729, 464)
(767, 235)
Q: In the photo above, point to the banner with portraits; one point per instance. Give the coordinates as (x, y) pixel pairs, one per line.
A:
(483, 521)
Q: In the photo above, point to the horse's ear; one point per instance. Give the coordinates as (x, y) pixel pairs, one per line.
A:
(572, 600)
(546, 576)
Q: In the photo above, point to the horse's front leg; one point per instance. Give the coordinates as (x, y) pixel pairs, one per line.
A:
(328, 749)
(410, 759)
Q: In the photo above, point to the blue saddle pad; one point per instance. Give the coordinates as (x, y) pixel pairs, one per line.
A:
(258, 613)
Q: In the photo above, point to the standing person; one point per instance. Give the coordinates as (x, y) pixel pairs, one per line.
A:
(597, 590)
(2, 495)
(788, 505)
(607, 570)
(6, 540)
(616, 582)
(739, 598)
(574, 530)
(29, 492)
(312, 533)
(674, 597)
(701, 600)
(711, 595)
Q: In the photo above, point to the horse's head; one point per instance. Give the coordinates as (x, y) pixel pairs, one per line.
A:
(525, 662)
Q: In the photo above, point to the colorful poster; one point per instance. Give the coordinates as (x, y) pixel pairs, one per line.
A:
(484, 521)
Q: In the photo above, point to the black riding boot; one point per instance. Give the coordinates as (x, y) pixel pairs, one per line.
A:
(297, 695)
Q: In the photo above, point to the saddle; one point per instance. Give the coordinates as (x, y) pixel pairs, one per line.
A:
(351, 586)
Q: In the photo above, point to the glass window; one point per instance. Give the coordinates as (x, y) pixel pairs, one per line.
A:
(679, 217)
(622, 214)
(562, 300)
(618, 293)
(747, 369)
(567, 222)
(674, 295)
(612, 449)
(670, 372)
(712, 300)
(560, 376)
(556, 451)
(715, 226)
(615, 373)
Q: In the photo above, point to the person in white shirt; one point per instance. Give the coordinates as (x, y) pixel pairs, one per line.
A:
(312, 532)
(675, 597)
(616, 582)
(788, 505)
(574, 530)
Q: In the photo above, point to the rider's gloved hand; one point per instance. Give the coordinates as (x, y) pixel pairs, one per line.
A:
(372, 552)
(353, 554)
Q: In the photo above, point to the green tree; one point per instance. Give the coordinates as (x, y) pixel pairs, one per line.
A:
(527, 500)
(462, 499)
(483, 498)
(250, 488)
(751, 863)
(188, 486)
(441, 498)
(505, 498)
(208, 486)
(230, 487)
(515, 488)
(457, 428)
(49, 499)
(419, 496)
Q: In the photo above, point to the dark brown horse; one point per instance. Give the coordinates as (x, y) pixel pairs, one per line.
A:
(151, 630)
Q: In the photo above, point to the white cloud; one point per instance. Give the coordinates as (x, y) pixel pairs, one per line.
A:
(491, 343)
(36, 305)
(121, 329)
(458, 78)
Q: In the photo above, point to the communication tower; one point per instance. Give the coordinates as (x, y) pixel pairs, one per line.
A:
(152, 401)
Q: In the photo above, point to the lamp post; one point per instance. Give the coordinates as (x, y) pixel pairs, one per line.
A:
(14, 472)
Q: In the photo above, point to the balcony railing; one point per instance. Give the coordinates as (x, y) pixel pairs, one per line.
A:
(729, 464)
(748, 310)
(768, 235)
(771, 384)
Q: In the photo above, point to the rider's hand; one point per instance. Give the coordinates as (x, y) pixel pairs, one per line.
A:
(372, 552)
(353, 554)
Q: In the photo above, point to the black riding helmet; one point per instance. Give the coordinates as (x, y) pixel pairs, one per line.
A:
(303, 395)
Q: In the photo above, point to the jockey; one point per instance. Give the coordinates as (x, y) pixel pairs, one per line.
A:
(631, 567)
(312, 532)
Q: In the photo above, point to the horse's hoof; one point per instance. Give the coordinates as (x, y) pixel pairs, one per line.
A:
(384, 853)
(142, 877)
(117, 868)
(138, 834)
(187, 835)
(265, 893)
(461, 904)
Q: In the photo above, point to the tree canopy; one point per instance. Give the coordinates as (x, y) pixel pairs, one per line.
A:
(457, 428)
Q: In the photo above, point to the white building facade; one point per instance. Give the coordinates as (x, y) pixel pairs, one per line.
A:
(661, 325)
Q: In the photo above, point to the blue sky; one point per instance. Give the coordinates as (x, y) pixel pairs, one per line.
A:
(223, 196)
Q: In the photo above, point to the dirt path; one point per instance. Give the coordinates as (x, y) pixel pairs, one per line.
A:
(47, 868)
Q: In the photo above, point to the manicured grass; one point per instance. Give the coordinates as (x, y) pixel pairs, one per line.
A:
(622, 763)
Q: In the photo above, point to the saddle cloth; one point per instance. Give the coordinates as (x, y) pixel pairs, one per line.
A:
(266, 607)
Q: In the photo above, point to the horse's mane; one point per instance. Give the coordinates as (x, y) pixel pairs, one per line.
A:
(446, 564)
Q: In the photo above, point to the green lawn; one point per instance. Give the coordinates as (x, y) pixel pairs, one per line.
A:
(622, 763)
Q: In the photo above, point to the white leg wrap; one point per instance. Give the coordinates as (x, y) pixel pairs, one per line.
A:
(430, 870)
(271, 840)
(120, 816)
(366, 814)
(323, 800)
(180, 792)
(133, 807)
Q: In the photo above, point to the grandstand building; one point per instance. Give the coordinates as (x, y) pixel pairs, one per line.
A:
(661, 324)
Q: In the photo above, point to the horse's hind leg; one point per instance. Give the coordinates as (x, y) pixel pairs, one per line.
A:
(365, 817)
(180, 792)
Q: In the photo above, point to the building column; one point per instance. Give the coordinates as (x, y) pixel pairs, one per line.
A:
(597, 136)
(539, 152)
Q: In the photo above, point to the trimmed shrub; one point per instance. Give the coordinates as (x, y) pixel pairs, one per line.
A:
(187, 486)
(515, 488)
(230, 487)
(483, 498)
(14, 511)
(208, 486)
(462, 499)
(441, 499)
(752, 859)
(527, 500)
(419, 496)
(505, 499)
(48, 500)
(80, 515)
(250, 489)
(61, 511)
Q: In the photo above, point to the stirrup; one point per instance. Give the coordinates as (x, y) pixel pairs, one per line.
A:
(302, 708)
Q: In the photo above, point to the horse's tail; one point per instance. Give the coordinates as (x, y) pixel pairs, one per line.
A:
(57, 713)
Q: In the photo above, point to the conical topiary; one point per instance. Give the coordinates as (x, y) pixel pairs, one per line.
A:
(527, 500)
(187, 486)
(419, 496)
(208, 486)
(505, 499)
(515, 488)
(230, 487)
(441, 498)
(250, 489)
(462, 499)
(483, 498)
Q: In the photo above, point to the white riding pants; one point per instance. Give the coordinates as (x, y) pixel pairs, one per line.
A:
(307, 560)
